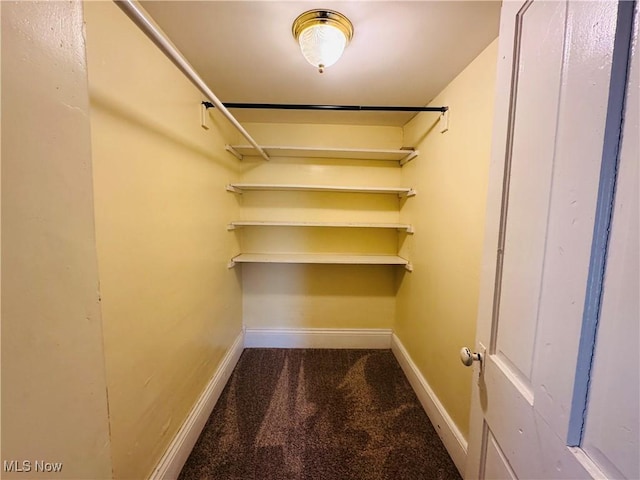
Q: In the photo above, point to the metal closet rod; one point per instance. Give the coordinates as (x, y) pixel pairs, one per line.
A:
(145, 24)
(299, 106)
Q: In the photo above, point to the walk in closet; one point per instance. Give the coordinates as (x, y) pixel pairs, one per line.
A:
(170, 246)
(190, 186)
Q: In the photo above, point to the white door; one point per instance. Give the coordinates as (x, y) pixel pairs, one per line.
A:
(558, 117)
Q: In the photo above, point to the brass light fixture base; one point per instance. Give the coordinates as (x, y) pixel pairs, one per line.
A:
(320, 17)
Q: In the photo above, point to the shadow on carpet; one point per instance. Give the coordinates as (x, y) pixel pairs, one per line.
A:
(318, 414)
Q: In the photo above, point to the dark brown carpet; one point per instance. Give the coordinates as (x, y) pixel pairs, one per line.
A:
(318, 414)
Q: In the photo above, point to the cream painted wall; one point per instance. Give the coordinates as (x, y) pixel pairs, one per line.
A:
(437, 303)
(54, 405)
(171, 307)
(320, 296)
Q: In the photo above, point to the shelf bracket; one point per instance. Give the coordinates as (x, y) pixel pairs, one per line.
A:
(410, 230)
(412, 154)
(410, 193)
(408, 267)
(233, 152)
(230, 227)
(232, 189)
(231, 264)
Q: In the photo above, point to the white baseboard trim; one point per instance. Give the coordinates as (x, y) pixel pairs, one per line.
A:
(447, 430)
(317, 338)
(180, 447)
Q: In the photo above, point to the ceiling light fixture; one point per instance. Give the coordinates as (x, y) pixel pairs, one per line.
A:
(322, 35)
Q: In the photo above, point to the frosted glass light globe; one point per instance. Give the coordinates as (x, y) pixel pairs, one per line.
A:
(322, 45)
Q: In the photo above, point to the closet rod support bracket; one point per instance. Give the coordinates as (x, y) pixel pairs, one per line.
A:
(204, 116)
(231, 264)
(232, 189)
(408, 267)
(443, 121)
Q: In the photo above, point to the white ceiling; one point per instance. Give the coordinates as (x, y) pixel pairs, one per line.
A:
(402, 53)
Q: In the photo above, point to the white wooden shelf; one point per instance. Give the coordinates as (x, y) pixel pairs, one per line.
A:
(401, 156)
(243, 187)
(320, 258)
(398, 226)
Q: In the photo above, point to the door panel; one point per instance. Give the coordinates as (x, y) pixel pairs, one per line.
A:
(538, 39)
(496, 465)
(525, 435)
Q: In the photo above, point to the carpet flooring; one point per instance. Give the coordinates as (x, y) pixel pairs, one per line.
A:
(307, 414)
